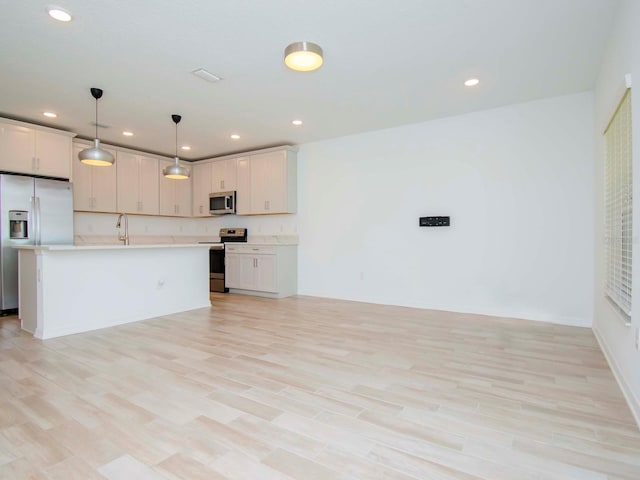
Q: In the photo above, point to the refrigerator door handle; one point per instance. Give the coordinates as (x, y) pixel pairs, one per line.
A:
(38, 240)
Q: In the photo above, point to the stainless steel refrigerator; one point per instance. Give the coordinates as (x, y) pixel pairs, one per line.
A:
(33, 211)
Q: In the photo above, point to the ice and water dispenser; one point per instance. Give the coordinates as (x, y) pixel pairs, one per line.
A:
(18, 224)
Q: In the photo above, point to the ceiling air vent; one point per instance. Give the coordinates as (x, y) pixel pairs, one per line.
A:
(208, 76)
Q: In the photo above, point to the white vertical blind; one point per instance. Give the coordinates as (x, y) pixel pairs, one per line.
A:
(619, 203)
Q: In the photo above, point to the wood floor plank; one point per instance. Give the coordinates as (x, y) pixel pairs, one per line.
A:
(312, 388)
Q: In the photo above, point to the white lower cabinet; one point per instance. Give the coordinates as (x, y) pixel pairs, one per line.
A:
(266, 270)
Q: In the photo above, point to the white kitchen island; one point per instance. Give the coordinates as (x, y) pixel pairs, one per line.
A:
(66, 289)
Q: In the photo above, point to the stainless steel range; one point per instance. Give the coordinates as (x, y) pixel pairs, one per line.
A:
(216, 256)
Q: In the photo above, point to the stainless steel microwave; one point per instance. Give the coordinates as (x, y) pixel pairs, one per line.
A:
(222, 203)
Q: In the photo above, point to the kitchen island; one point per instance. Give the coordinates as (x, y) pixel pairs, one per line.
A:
(66, 289)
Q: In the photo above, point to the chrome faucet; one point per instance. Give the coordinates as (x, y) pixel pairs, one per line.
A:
(125, 237)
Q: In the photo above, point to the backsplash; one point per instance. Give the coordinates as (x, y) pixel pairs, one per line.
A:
(261, 227)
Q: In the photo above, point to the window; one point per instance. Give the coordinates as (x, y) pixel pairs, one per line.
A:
(619, 204)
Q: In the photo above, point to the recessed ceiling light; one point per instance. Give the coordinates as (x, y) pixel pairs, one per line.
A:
(185, 147)
(49, 114)
(59, 14)
(235, 136)
(472, 82)
(126, 133)
(297, 122)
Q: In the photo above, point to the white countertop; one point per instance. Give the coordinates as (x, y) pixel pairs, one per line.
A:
(52, 248)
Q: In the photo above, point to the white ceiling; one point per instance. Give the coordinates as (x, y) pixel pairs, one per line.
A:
(386, 64)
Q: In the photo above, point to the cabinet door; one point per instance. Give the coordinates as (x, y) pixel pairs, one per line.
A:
(53, 154)
(94, 188)
(248, 272)
(103, 186)
(265, 273)
(223, 175)
(174, 195)
(148, 185)
(201, 174)
(17, 149)
(243, 194)
(127, 183)
(232, 277)
(183, 199)
(166, 189)
(275, 182)
(81, 180)
(261, 176)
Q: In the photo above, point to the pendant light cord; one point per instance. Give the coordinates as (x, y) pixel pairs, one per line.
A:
(176, 143)
(96, 118)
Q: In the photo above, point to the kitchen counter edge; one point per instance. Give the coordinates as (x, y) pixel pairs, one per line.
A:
(108, 247)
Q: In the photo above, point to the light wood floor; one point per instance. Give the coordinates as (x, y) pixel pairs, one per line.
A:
(310, 388)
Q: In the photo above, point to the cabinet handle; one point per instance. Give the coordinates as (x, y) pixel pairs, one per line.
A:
(200, 208)
(38, 163)
(33, 163)
(221, 183)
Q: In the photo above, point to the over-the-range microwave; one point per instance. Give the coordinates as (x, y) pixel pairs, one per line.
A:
(222, 203)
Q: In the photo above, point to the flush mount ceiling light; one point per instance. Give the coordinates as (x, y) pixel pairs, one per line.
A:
(175, 171)
(58, 13)
(234, 136)
(95, 156)
(49, 114)
(472, 82)
(297, 123)
(185, 147)
(303, 56)
(127, 133)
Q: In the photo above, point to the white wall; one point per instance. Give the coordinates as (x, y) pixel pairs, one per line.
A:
(618, 341)
(517, 182)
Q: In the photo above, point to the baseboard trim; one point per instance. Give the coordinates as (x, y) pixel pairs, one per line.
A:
(630, 397)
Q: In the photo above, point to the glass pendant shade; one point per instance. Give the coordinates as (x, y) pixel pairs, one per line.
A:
(175, 171)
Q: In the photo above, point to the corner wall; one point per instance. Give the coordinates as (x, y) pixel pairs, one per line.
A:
(517, 182)
(622, 56)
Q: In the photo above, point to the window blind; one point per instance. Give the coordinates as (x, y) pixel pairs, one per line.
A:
(619, 204)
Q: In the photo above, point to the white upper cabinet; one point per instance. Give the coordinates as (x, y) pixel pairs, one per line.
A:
(94, 188)
(35, 151)
(137, 184)
(201, 175)
(267, 183)
(223, 175)
(175, 195)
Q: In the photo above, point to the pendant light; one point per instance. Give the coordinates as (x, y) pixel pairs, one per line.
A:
(303, 56)
(96, 156)
(175, 171)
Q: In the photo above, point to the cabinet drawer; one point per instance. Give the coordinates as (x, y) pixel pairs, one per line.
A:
(251, 249)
